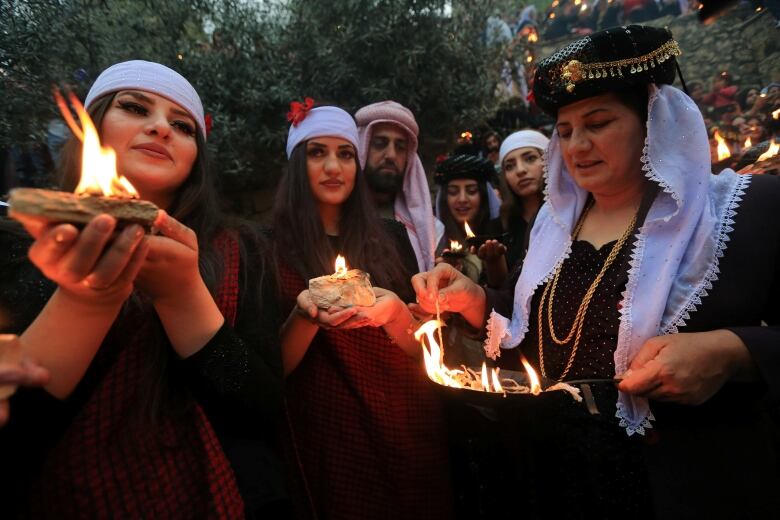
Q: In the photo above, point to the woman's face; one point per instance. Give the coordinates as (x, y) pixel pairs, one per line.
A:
(752, 128)
(523, 169)
(751, 97)
(601, 143)
(154, 140)
(463, 200)
(331, 166)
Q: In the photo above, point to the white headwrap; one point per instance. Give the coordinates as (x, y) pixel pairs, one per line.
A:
(323, 122)
(413, 205)
(522, 139)
(675, 258)
(151, 77)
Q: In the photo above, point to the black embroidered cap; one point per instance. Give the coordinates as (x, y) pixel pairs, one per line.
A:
(463, 166)
(613, 59)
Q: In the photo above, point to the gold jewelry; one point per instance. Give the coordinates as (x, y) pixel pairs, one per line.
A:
(579, 318)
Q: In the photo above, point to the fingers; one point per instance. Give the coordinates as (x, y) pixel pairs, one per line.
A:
(134, 265)
(335, 319)
(306, 306)
(51, 245)
(80, 258)
(116, 258)
(642, 381)
(648, 351)
(175, 230)
(419, 313)
(34, 374)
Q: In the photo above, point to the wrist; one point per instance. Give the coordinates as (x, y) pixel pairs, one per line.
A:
(92, 301)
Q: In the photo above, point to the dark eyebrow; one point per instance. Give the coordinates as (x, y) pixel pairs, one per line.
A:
(590, 113)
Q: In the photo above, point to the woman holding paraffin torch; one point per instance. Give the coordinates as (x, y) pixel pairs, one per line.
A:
(644, 266)
(365, 433)
(154, 343)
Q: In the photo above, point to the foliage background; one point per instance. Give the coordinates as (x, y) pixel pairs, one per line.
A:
(248, 60)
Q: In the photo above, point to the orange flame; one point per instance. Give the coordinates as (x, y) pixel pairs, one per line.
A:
(438, 372)
(536, 387)
(723, 149)
(469, 233)
(533, 38)
(776, 114)
(773, 150)
(341, 267)
(455, 246)
(98, 163)
(748, 143)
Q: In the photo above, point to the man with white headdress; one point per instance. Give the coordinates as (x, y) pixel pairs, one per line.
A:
(388, 150)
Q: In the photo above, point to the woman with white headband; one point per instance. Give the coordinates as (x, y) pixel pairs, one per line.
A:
(364, 436)
(521, 157)
(154, 343)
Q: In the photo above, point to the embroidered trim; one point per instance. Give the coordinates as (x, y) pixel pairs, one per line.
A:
(497, 329)
(645, 423)
(724, 228)
(647, 165)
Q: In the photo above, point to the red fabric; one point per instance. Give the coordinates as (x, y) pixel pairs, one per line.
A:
(366, 431)
(722, 97)
(106, 466)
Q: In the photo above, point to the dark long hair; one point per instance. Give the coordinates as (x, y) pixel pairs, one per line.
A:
(196, 205)
(300, 239)
(454, 230)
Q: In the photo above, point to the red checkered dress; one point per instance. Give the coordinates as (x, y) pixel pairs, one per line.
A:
(104, 467)
(365, 430)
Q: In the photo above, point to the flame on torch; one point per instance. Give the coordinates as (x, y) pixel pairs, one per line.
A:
(773, 150)
(98, 163)
(723, 149)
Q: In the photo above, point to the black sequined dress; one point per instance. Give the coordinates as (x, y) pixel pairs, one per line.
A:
(584, 465)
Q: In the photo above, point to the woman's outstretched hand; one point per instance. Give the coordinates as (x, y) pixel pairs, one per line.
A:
(328, 319)
(88, 264)
(687, 368)
(453, 290)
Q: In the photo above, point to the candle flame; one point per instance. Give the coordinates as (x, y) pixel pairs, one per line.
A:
(773, 150)
(723, 149)
(455, 246)
(469, 233)
(98, 163)
(533, 38)
(776, 114)
(748, 143)
(536, 387)
(341, 267)
(583, 8)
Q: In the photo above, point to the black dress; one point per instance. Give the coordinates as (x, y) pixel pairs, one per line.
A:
(715, 460)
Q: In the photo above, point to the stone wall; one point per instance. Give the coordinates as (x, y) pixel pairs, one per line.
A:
(745, 45)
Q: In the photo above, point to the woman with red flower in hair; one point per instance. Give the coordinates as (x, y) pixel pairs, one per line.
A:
(365, 435)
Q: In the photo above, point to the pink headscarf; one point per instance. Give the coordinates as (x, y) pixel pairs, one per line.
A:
(413, 205)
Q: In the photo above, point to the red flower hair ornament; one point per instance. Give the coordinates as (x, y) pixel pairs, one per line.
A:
(209, 122)
(299, 111)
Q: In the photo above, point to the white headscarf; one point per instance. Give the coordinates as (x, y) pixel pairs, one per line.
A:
(326, 121)
(676, 255)
(522, 139)
(151, 77)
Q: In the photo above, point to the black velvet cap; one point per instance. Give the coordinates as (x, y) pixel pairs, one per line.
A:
(463, 166)
(609, 60)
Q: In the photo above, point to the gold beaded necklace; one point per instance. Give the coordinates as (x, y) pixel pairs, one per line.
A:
(579, 318)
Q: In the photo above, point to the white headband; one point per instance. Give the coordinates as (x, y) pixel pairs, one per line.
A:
(151, 77)
(522, 139)
(323, 122)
